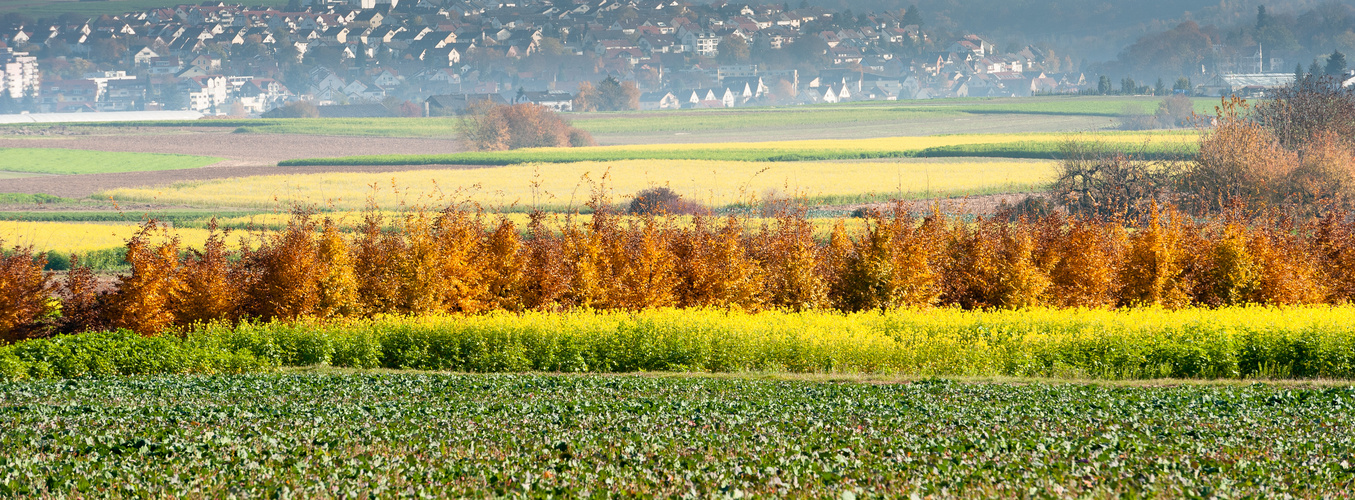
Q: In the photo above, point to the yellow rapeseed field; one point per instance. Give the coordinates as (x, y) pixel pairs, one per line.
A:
(82, 237)
(909, 143)
(351, 220)
(562, 186)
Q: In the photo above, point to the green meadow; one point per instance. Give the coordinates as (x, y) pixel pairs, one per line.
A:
(79, 161)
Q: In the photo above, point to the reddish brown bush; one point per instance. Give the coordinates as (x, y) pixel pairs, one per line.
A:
(27, 294)
(209, 284)
(663, 201)
(82, 306)
(490, 127)
(286, 271)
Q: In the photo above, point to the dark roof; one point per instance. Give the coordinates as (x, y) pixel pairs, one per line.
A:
(354, 111)
(460, 101)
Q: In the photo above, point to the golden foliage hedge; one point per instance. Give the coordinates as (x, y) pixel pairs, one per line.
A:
(459, 261)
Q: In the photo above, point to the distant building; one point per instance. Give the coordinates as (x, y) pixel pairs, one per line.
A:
(447, 105)
(556, 100)
(18, 73)
(1248, 84)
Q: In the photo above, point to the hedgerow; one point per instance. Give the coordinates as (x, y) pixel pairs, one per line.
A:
(460, 262)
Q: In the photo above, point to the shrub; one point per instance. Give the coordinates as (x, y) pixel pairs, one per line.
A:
(1308, 108)
(608, 95)
(1240, 162)
(27, 294)
(1153, 270)
(1325, 174)
(663, 201)
(82, 306)
(792, 276)
(491, 127)
(284, 275)
(209, 285)
(1097, 180)
(1032, 207)
(1176, 111)
(143, 300)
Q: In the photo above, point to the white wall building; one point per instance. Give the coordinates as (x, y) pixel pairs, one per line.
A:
(18, 73)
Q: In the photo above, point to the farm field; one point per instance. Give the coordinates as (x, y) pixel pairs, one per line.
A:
(99, 245)
(79, 237)
(838, 121)
(1239, 343)
(1021, 145)
(240, 149)
(565, 187)
(874, 112)
(311, 435)
(76, 161)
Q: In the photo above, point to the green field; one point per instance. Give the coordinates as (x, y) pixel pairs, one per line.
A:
(824, 117)
(860, 113)
(80, 161)
(30, 199)
(433, 435)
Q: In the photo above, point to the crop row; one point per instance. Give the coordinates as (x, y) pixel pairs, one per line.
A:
(1227, 343)
(585, 436)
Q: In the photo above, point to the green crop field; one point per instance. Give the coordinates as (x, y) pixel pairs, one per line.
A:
(429, 435)
(865, 113)
(819, 116)
(79, 161)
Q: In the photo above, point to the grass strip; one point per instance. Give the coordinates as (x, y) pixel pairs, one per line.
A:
(31, 199)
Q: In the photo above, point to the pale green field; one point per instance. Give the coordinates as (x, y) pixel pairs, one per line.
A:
(80, 161)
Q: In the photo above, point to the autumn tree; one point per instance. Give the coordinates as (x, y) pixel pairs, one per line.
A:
(490, 127)
(733, 49)
(608, 95)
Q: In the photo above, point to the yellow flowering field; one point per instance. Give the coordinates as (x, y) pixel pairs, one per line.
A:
(84, 237)
(562, 186)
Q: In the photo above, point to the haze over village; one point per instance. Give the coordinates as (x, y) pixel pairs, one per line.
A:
(432, 57)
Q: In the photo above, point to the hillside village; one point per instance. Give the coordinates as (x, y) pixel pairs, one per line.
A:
(432, 56)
